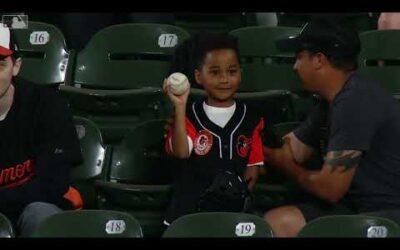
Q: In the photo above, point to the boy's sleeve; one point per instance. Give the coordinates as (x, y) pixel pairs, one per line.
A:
(256, 153)
(191, 135)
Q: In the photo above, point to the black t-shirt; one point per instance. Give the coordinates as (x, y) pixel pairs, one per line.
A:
(38, 146)
(361, 117)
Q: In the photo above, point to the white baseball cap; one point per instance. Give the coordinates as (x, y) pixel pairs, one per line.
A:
(7, 43)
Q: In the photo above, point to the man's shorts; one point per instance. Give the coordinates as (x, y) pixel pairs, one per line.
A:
(313, 208)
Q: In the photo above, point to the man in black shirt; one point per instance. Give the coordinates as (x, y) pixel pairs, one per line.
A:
(356, 128)
(38, 146)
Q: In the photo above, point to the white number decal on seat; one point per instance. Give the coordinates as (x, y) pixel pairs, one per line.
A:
(377, 232)
(245, 229)
(167, 40)
(115, 227)
(39, 37)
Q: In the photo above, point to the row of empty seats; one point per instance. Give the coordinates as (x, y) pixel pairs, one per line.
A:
(109, 223)
(361, 21)
(118, 58)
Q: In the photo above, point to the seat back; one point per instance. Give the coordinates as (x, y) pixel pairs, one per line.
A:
(264, 66)
(379, 58)
(219, 224)
(360, 21)
(214, 22)
(44, 52)
(93, 150)
(6, 227)
(90, 223)
(95, 161)
(125, 56)
(350, 226)
(139, 158)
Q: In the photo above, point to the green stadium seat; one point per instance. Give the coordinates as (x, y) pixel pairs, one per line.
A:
(264, 66)
(360, 21)
(214, 22)
(363, 226)
(90, 223)
(298, 20)
(140, 177)
(379, 58)
(274, 105)
(139, 157)
(118, 76)
(6, 227)
(44, 52)
(218, 224)
(127, 56)
(117, 111)
(95, 161)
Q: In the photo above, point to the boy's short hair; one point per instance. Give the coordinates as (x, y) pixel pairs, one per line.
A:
(207, 42)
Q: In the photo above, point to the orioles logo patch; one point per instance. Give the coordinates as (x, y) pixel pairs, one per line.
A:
(243, 145)
(203, 142)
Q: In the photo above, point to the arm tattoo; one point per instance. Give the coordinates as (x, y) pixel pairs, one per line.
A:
(346, 158)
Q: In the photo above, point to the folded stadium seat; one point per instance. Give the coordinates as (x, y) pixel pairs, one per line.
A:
(265, 68)
(95, 161)
(90, 223)
(116, 111)
(214, 22)
(275, 105)
(44, 52)
(140, 177)
(363, 226)
(117, 77)
(6, 227)
(379, 58)
(220, 225)
(360, 21)
(298, 20)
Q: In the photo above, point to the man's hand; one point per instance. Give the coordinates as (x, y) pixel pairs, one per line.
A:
(293, 151)
(279, 158)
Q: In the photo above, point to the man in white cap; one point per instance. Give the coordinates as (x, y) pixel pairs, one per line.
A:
(38, 146)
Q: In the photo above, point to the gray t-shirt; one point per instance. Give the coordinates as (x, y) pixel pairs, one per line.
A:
(361, 117)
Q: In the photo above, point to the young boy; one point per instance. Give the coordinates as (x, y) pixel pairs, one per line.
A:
(216, 134)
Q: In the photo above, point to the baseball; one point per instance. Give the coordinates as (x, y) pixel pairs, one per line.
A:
(178, 83)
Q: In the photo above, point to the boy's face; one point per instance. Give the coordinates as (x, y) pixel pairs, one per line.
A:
(8, 69)
(220, 75)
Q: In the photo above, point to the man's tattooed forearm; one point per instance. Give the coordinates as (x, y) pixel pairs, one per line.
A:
(346, 159)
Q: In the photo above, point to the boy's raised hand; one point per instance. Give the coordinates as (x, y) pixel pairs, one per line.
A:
(177, 100)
